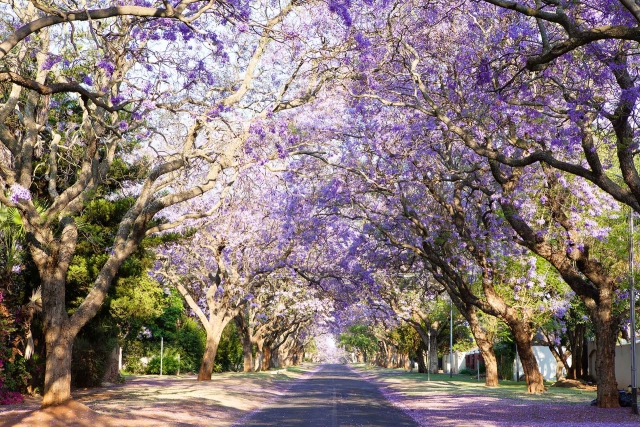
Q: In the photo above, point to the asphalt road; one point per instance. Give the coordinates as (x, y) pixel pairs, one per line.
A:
(334, 396)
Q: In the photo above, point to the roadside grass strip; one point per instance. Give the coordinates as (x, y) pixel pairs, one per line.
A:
(462, 401)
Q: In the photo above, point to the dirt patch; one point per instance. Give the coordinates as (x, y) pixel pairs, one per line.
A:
(154, 401)
(71, 414)
(565, 383)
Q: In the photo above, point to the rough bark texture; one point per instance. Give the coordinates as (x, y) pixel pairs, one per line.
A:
(245, 339)
(259, 360)
(432, 357)
(266, 357)
(57, 378)
(491, 365)
(247, 356)
(535, 380)
(606, 334)
(209, 357)
(482, 340)
(577, 348)
(58, 333)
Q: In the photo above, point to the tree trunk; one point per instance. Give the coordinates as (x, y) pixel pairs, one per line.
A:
(484, 344)
(490, 364)
(247, 352)
(422, 365)
(535, 380)
(209, 357)
(433, 351)
(113, 370)
(57, 377)
(606, 334)
(559, 369)
(584, 373)
(276, 362)
(259, 362)
(266, 357)
(58, 339)
(575, 370)
(245, 339)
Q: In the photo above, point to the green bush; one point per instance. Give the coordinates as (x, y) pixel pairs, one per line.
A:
(505, 353)
(89, 360)
(191, 339)
(229, 356)
(467, 371)
(170, 365)
(133, 351)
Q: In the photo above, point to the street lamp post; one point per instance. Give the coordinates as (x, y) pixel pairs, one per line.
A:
(429, 354)
(451, 340)
(632, 296)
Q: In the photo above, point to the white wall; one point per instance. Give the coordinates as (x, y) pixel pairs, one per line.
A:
(459, 362)
(546, 363)
(623, 365)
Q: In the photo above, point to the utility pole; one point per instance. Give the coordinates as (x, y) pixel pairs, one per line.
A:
(429, 354)
(632, 334)
(161, 352)
(451, 340)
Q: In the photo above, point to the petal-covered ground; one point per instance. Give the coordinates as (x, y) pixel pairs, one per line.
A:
(153, 401)
(461, 403)
(231, 399)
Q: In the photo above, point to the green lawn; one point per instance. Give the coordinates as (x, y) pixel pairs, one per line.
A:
(415, 384)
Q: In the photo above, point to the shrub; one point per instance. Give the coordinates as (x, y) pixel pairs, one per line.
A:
(13, 375)
(170, 363)
(132, 353)
(467, 371)
(505, 354)
(229, 356)
(8, 385)
(89, 361)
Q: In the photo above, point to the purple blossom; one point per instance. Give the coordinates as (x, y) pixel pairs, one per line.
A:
(50, 62)
(145, 333)
(108, 66)
(18, 192)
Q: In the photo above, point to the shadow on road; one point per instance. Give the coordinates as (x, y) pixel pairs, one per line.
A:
(332, 397)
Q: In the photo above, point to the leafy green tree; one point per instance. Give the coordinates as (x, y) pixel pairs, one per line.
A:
(359, 337)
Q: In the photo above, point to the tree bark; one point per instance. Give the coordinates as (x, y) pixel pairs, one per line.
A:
(577, 341)
(58, 334)
(560, 364)
(259, 361)
(247, 353)
(245, 339)
(482, 340)
(57, 377)
(535, 380)
(432, 358)
(606, 334)
(490, 364)
(422, 364)
(266, 357)
(209, 357)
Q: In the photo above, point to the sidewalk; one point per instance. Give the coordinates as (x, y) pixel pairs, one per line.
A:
(154, 401)
(461, 402)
